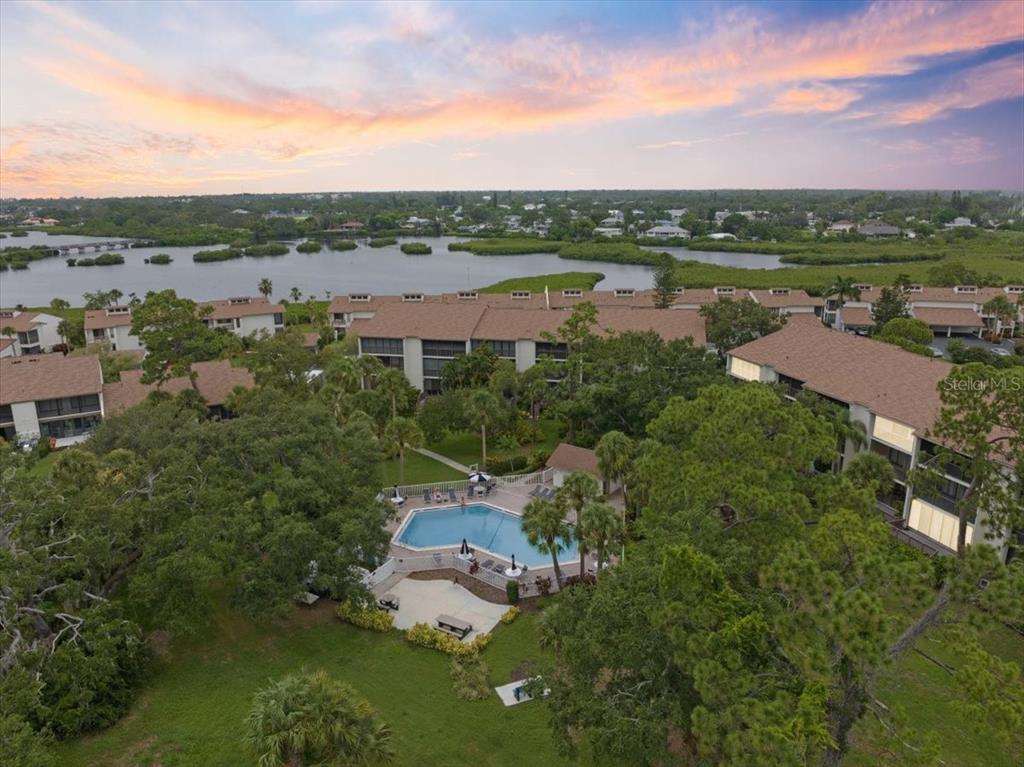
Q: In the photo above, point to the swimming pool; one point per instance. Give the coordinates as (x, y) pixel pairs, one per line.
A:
(485, 527)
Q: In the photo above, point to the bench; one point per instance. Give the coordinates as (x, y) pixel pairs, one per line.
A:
(453, 626)
(388, 602)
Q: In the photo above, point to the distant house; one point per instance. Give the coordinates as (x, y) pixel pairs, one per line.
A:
(111, 326)
(958, 222)
(875, 228)
(33, 221)
(842, 225)
(665, 232)
(608, 231)
(352, 226)
(721, 236)
(676, 213)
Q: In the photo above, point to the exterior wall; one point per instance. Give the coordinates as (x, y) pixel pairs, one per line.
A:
(47, 327)
(936, 523)
(124, 340)
(413, 350)
(526, 354)
(894, 433)
(747, 371)
(25, 420)
(8, 351)
(256, 323)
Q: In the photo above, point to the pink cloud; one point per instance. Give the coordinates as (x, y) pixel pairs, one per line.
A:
(994, 81)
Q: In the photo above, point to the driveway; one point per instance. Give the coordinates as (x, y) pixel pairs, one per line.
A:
(940, 341)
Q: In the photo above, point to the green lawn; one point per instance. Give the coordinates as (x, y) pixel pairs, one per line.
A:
(419, 470)
(924, 691)
(192, 711)
(553, 282)
(464, 446)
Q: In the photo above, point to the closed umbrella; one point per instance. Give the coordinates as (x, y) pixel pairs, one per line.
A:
(479, 476)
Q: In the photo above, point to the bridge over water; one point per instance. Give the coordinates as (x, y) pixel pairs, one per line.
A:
(85, 247)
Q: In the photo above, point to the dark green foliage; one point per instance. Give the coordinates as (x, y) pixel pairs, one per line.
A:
(342, 245)
(309, 246)
(208, 256)
(416, 249)
(506, 247)
(382, 242)
(106, 259)
(734, 323)
(159, 259)
(268, 249)
(512, 591)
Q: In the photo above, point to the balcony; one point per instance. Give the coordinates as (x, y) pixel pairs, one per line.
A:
(909, 536)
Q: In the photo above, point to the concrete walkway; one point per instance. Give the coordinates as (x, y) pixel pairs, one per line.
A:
(442, 459)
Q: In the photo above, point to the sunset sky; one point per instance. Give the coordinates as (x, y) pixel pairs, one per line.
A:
(124, 98)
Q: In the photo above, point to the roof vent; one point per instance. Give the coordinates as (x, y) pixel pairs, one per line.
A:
(8, 315)
(412, 297)
(778, 291)
(240, 300)
(624, 292)
(678, 291)
(361, 298)
(118, 310)
(572, 293)
(725, 291)
(915, 288)
(521, 295)
(467, 295)
(862, 286)
(965, 289)
(1014, 289)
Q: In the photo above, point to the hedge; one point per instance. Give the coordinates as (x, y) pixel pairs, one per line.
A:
(426, 636)
(365, 617)
(510, 614)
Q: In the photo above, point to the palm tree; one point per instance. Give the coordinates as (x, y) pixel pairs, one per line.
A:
(343, 372)
(546, 529)
(577, 491)
(615, 452)
(481, 409)
(400, 435)
(843, 290)
(370, 369)
(115, 295)
(601, 529)
(313, 719)
(392, 383)
(296, 294)
(265, 287)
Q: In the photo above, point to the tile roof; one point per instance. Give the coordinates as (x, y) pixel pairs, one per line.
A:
(223, 309)
(98, 319)
(793, 298)
(982, 295)
(965, 318)
(891, 382)
(455, 322)
(48, 376)
(857, 316)
(570, 458)
(22, 322)
(215, 381)
(5, 342)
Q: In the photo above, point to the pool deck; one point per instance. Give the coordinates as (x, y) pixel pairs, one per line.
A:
(511, 499)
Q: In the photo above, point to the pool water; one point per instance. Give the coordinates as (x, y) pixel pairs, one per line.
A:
(485, 527)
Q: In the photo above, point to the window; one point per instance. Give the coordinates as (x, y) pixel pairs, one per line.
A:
(444, 348)
(946, 496)
(521, 295)
(558, 352)
(5, 414)
(899, 460)
(572, 293)
(52, 408)
(413, 297)
(381, 346)
(793, 386)
(504, 349)
(965, 289)
(432, 366)
(359, 298)
(467, 295)
(779, 291)
(240, 300)
(112, 310)
(278, 318)
(624, 292)
(30, 338)
(431, 385)
(72, 427)
(726, 291)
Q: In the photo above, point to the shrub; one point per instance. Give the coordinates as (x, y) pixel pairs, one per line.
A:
(510, 614)
(512, 591)
(207, 256)
(416, 249)
(107, 259)
(469, 677)
(427, 636)
(543, 585)
(341, 245)
(160, 259)
(309, 246)
(503, 246)
(382, 242)
(270, 249)
(365, 617)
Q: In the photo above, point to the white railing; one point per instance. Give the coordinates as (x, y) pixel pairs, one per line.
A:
(381, 574)
(462, 485)
(449, 561)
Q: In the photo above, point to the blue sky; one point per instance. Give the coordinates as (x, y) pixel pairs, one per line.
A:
(164, 98)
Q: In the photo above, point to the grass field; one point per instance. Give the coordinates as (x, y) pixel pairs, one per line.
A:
(553, 282)
(419, 470)
(464, 446)
(191, 712)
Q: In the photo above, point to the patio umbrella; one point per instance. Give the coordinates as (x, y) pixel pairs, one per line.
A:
(465, 547)
(479, 476)
(513, 561)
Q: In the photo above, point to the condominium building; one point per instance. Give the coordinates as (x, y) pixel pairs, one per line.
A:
(243, 316)
(50, 395)
(346, 309)
(421, 338)
(111, 326)
(28, 333)
(959, 310)
(894, 394)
